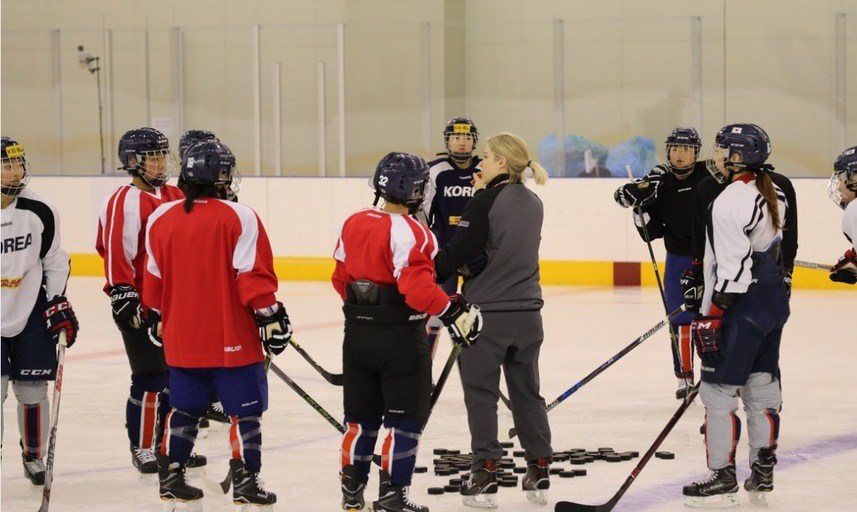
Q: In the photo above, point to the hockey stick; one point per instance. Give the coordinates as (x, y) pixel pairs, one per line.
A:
(55, 416)
(450, 361)
(568, 506)
(334, 378)
(607, 364)
(815, 266)
(639, 214)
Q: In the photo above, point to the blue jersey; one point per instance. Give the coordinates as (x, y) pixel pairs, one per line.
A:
(448, 191)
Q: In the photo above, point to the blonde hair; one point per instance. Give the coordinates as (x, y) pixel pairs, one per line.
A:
(517, 155)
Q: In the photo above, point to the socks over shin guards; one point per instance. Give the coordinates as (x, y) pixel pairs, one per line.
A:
(399, 453)
(358, 445)
(180, 429)
(245, 441)
(147, 405)
(34, 423)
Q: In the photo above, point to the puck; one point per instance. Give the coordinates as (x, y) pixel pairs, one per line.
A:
(634, 455)
(420, 469)
(508, 483)
(665, 455)
(579, 472)
(577, 461)
(626, 455)
(518, 453)
(612, 458)
(606, 449)
(435, 490)
(555, 471)
(439, 451)
(507, 444)
(452, 452)
(454, 481)
(520, 470)
(566, 474)
(451, 488)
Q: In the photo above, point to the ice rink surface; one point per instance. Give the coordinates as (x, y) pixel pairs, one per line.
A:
(624, 408)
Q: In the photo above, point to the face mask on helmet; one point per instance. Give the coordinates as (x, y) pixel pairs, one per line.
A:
(682, 147)
(15, 176)
(842, 188)
(155, 168)
(722, 163)
(460, 137)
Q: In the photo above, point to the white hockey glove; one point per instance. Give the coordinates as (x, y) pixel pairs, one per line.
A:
(463, 320)
(154, 327)
(275, 330)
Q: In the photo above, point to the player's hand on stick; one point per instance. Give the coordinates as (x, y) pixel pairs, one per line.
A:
(845, 270)
(125, 303)
(463, 320)
(154, 327)
(275, 330)
(636, 194)
(60, 317)
(787, 281)
(693, 286)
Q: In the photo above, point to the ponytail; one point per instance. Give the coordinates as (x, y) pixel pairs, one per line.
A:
(517, 156)
(766, 188)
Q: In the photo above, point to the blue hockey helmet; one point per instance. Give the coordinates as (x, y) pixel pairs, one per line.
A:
(191, 137)
(401, 178)
(683, 136)
(842, 188)
(152, 160)
(738, 147)
(12, 156)
(208, 163)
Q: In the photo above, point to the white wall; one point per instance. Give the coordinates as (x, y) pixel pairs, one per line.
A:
(302, 215)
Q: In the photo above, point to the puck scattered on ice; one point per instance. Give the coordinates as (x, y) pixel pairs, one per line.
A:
(626, 455)
(454, 481)
(579, 472)
(518, 453)
(665, 455)
(452, 452)
(506, 464)
(555, 471)
(451, 488)
(577, 461)
(520, 470)
(507, 483)
(507, 444)
(607, 449)
(566, 474)
(420, 469)
(435, 490)
(439, 451)
(612, 458)
(634, 455)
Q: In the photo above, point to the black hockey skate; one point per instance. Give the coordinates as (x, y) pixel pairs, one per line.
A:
(394, 498)
(717, 491)
(144, 460)
(480, 490)
(248, 489)
(215, 413)
(196, 461)
(174, 489)
(34, 470)
(352, 489)
(537, 480)
(761, 479)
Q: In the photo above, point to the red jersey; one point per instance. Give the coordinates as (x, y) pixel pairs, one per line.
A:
(121, 232)
(389, 249)
(206, 272)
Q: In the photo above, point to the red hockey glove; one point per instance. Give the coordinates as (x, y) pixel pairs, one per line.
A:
(60, 317)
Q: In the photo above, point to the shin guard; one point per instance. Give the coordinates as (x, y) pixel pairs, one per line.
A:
(180, 429)
(34, 413)
(399, 452)
(358, 445)
(245, 441)
(147, 401)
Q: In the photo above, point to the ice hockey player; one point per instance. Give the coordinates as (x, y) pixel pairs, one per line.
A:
(145, 154)
(206, 253)
(843, 189)
(497, 244)
(663, 202)
(746, 307)
(35, 309)
(447, 192)
(385, 275)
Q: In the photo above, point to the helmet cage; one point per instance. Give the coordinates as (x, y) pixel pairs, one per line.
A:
(842, 187)
(460, 126)
(14, 154)
(142, 171)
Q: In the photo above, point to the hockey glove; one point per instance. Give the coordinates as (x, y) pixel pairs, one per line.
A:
(275, 330)
(845, 270)
(463, 320)
(60, 317)
(693, 286)
(154, 327)
(125, 303)
(636, 194)
(707, 336)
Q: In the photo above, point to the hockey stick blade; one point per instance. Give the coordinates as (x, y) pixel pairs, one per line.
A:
(814, 266)
(607, 364)
(568, 506)
(334, 378)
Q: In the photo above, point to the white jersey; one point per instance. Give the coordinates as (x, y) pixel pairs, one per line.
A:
(739, 226)
(31, 254)
(849, 223)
